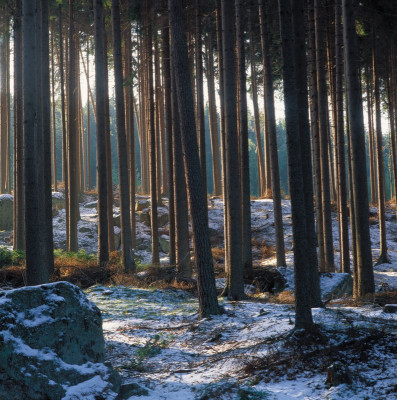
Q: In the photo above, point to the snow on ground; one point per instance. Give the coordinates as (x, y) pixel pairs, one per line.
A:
(155, 339)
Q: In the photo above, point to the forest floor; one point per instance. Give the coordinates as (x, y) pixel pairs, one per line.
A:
(154, 337)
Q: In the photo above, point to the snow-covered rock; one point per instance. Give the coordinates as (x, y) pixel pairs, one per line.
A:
(6, 211)
(92, 204)
(52, 345)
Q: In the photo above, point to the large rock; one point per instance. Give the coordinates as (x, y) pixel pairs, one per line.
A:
(52, 346)
(58, 201)
(6, 212)
(141, 204)
(162, 216)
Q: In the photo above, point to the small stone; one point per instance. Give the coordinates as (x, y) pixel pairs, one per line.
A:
(164, 244)
(131, 389)
(338, 374)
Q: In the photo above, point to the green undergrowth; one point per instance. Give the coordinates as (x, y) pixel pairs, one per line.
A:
(10, 257)
(229, 390)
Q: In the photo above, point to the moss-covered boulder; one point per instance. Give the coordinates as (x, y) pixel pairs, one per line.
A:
(52, 345)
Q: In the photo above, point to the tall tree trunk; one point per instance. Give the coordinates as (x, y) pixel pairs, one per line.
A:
(243, 144)
(379, 152)
(372, 155)
(65, 171)
(340, 136)
(365, 276)
(216, 169)
(272, 137)
(46, 192)
(152, 139)
(323, 129)
(125, 223)
(89, 181)
(103, 244)
(298, 11)
(234, 288)
(19, 200)
(73, 134)
(165, 38)
(303, 316)
(54, 132)
(254, 92)
(200, 94)
(109, 167)
(3, 99)
(38, 246)
(316, 140)
(208, 303)
(222, 119)
(183, 266)
(130, 127)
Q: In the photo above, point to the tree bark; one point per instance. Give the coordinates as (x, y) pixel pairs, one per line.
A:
(103, 244)
(208, 303)
(303, 316)
(365, 276)
(125, 222)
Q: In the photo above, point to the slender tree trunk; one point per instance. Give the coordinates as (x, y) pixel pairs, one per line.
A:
(152, 140)
(130, 128)
(316, 141)
(323, 129)
(65, 171)
(234, 282)
(254, 91)
(222, 120)
(54, 132)
(243, 144)
(380, 160)
(46, 193)
(200, 94)
(89, 181)
(3, 99)
(72, 134)
(125, 223)
(19, 196)
(372, 155)
(272, 138)
(103, 244)
(109, 167)
(340, 135)
(183, 266)
(165, 38)
(216, 169)
(365, 276)
(266, 90)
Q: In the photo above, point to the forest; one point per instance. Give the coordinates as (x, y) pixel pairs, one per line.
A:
(198, 199)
